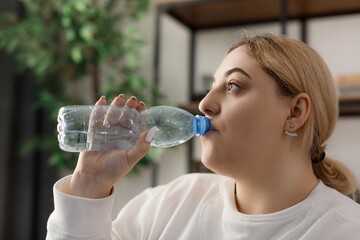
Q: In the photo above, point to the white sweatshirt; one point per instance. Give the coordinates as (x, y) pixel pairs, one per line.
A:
(202, 206)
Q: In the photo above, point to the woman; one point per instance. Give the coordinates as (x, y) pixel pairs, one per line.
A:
(272, 106)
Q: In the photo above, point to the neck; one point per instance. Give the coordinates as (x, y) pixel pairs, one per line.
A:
(275, 189)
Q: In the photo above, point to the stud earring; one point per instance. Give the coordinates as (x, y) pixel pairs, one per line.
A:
(291, 134)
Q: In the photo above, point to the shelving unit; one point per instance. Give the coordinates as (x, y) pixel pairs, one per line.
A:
(203, 14)
(198, 15)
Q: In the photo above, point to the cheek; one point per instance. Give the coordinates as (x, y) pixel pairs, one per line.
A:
(243, 119)
(253, 125)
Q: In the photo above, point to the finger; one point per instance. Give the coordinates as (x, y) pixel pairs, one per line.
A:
(129, 115)
(101, 101)
(141, 106)
(95, 121)
(132, 102)
(141, 147)
(119, 101)
(113, 114)
(97, 114)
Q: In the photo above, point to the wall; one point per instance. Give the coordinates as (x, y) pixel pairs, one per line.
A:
(219, 41)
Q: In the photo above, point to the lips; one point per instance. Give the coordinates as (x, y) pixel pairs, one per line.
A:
(212, 130)
(213, 127)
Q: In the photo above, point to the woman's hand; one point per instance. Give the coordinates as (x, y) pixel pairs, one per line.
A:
(97, 172)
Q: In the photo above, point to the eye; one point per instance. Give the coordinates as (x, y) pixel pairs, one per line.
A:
(232, 86)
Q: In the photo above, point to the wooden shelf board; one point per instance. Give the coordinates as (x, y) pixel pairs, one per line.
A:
(200, 14)
(349, 106)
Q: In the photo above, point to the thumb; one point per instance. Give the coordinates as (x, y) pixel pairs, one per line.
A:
(141, 147)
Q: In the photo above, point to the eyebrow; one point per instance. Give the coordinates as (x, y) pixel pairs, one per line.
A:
(237, 69)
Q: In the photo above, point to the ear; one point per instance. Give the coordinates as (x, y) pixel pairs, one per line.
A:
(299, 112)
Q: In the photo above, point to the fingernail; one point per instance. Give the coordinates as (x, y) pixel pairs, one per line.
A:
(150, 134)
(133, 98)
(142, 104)
(100, 100)
(122, 95)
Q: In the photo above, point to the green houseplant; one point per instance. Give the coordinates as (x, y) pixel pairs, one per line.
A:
(71, 45)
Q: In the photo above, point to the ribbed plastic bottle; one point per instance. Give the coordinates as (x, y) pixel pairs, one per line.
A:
(105, 127)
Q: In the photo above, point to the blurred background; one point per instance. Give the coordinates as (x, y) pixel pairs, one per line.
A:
(56, 53)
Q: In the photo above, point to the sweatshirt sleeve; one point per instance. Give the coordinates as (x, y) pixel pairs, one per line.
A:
(79, 218)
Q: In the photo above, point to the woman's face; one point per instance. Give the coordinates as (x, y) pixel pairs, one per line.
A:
(248, 115)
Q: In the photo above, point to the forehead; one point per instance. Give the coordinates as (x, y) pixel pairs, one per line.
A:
(238, 58)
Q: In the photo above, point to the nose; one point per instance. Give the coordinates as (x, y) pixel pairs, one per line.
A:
(209, 104)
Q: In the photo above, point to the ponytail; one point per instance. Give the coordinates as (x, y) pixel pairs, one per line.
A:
(336, 175)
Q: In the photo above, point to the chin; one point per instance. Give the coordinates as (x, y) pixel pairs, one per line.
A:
(211, 162)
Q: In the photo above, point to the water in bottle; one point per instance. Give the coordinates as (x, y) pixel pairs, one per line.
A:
(105, 127)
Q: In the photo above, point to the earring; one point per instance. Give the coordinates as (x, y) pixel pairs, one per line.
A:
(290, 134)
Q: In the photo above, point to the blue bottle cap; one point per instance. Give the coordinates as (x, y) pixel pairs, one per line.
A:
(201, 125)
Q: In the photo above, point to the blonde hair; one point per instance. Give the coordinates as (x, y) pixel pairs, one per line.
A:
(297, 68)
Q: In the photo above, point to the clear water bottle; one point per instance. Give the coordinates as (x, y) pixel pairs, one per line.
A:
(105, 127)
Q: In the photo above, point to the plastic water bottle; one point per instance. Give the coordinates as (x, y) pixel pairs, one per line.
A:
(105, 127)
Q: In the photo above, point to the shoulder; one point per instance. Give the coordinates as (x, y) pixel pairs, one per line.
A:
(346, 208)
(340, 207)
